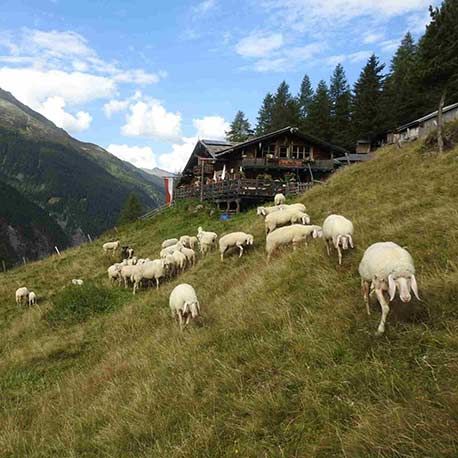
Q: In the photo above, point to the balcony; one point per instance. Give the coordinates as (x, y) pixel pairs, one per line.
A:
(208, 169)
(275, 162)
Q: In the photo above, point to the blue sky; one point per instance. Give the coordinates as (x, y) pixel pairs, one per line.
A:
(145, 79)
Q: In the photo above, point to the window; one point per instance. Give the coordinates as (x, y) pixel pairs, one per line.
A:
(268, 149)
(299, 152)
(283, 152)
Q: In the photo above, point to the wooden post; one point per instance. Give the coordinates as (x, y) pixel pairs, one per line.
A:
(4, 265)
(23, 260)
(311, 173)
(202, 182)
(89, 237)
(440, 123)
(57, 250)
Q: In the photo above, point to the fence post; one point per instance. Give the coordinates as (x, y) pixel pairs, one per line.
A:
(4, 265)
(57, 250)
(23, 260)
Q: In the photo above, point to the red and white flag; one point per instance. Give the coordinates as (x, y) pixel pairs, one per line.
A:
(168, 183)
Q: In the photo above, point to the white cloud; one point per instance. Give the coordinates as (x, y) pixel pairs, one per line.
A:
(177, 158)
(53, 109)
(359, 56)
(203, 7)
(151, 119)
(375, 37)
(140, 156)
(211, 127)
(115, 106)
(259, 44)
(137, 76)
(389, 46)
(417, 23)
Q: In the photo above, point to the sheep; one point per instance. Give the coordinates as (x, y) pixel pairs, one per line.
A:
(131, 261)
(170, 249)
(114, 273)
(127, 252)
(111, 247)
(32, 298)
(22, 296)
(193, 241)
(386, 266)
(180, 260)
(185, 241)
(184, 304)
(190, 255)
(294, 234)
(77, 282)
(279, 199)
(127, 272)
(206, 240)
(152, 270)
(234, 239)
(284, 217)
(337, 231)
(169, 265)
(264, 211)
(169, 242)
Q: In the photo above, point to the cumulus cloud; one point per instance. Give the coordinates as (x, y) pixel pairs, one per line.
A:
(53, 109)
(151, 119)
(212, 127)
(355, 57)
(259, 44)
(140, 156)
(115, 106)
(177, 158)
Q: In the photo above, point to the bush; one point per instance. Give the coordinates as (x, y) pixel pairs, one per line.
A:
(75, 304)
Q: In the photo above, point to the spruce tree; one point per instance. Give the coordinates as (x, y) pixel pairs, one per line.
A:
(264, 119)
(240, 129)
(438, 50)
(340, 96)
(319, 116)
(131, 210)
(285, 109)
(367, 117)
(305, 96)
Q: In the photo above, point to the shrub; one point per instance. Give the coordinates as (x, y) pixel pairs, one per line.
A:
(75, 304)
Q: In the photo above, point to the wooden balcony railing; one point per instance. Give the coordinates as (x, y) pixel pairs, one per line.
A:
(273, 162)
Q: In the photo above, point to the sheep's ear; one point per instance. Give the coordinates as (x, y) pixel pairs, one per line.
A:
(414, 286)
(350, 240)
(391, 287)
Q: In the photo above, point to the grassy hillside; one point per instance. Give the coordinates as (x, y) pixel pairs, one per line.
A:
(284, 362)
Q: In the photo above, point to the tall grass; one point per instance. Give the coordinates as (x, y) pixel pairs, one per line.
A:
(284, 361)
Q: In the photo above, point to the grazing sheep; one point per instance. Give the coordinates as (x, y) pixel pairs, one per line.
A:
(293, 234)
(234, 239)
(193, 241)
(281, 218)
(337, 231)
(32, 298)
(264, 211)
(169, 242)
(127, 273)
(385, 267)
(180, 261)
(297, 206)
(184, 304)
(130, 261)
(279, 199)
(190, 256)
(207, 240)
(152, 270)
(22, 296)
(169, 265)
(185, 241)
(114, 273)
(111, 247)
(170, 249)
(77, 282)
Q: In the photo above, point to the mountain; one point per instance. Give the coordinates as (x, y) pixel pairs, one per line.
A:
(81, 185)
(283, 363)
(159, 172)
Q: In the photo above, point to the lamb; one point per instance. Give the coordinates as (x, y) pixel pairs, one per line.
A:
(152, 270)
(32, 298)
(206, 240)
(190, 256)
(294, 234)
(22, 296)
(279, 199)
(234, 239)
(338, 231)
(111, 247)
(184, 304)
(386, 266)
(170, 249)
(284, 217)
(169, 242)
(77, 282)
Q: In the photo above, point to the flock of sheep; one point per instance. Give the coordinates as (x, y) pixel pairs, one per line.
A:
(384, 268)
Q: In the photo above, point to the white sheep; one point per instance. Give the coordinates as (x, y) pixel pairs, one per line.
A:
(264, 211)
(22, 296)
(281, 218)
(131, 261)
(386, 266)
(151, 270)
(190, 256)
(127, 273)
(32, 298)
(279, 199)
(169, 242)
(77, 282)
(337, 232)
(207, 240)
(169, 265)
(193, 241)
(114, 273)
(293, 234)
(180, 261)
(170, 249)
(184, 304)
(234, 239)
(111, 247)
(185, 241)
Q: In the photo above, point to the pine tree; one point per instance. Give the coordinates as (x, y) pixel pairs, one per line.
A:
(240, 128)
(367, 116)
(305, 96)
(319, 116)
(438, 50)
(131, 210)
(285, 109)
(340, 96)
(264, 119)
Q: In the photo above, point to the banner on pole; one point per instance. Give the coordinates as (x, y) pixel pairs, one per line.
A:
(168, 183)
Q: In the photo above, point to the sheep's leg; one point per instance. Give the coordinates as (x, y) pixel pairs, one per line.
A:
(365, 288)
(135, 287)
(241, 250)
(339, 252)
(385, 311)
(157, 283)
(327, 247)
(180, 320)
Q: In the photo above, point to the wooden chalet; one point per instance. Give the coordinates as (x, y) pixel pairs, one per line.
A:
(287, 161)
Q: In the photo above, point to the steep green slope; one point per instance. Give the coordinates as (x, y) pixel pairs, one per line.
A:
(80, 184)
(25, 229)
(284, 361)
